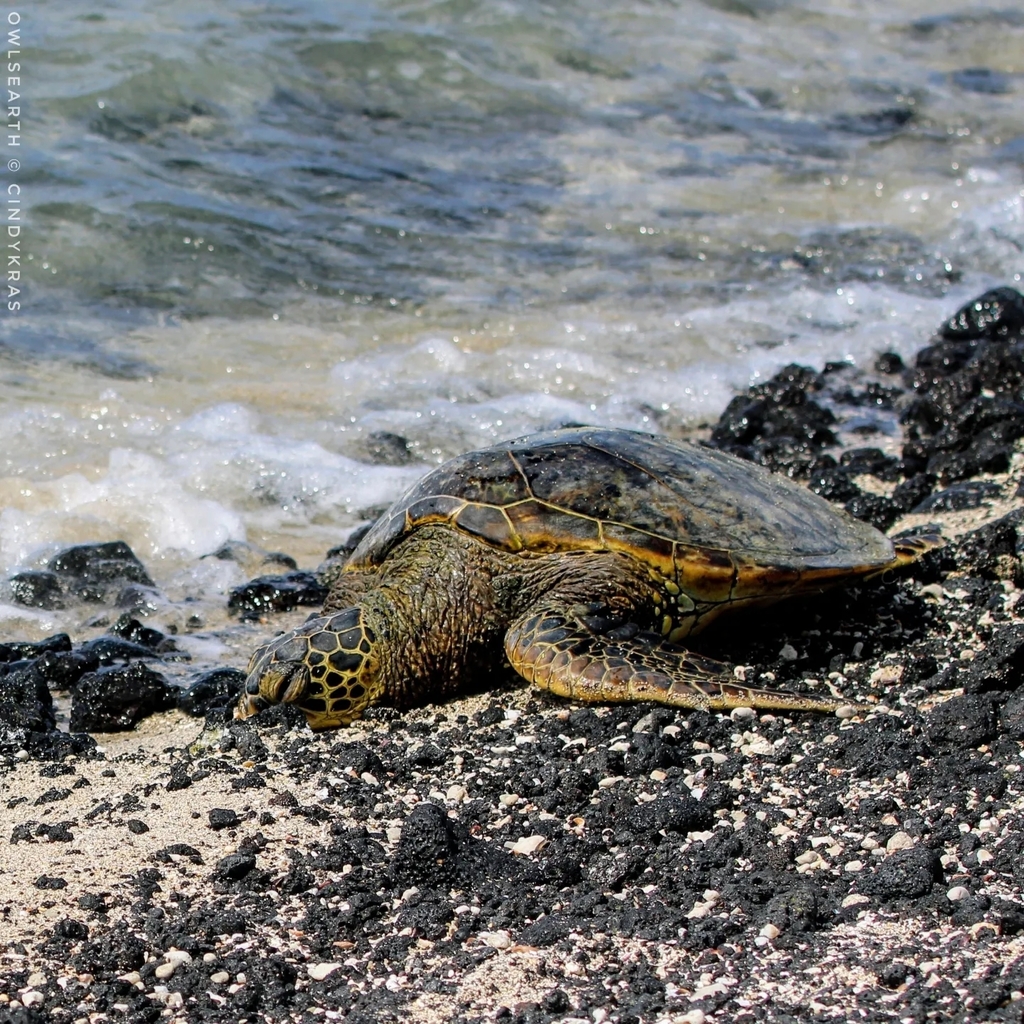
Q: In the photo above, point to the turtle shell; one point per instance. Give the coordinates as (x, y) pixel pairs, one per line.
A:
(717, 525)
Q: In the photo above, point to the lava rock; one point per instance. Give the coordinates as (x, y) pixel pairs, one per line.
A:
(428, 918)
(966, 722)
(115, 699)
(994, 551)
(59, 643)
(888, 363)
(213, 691)
(777, 423)
(62, 671)
(830, 480)
(427, 848)
(871, 461)
(907, 874)
(277, 594)
(878, 510)
(999, 666)
(383, 448)
(910, 493)
(97, 572)
(223, 817)
(108, 649)
(37, 588)
(964, 495)
(798, 910)
(251, 557)
(145, 636)
(995, 314)
(26, 707)
(235, 866)
(1011, 717)
(968, 410)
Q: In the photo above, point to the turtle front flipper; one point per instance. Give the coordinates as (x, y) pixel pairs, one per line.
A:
(554, 649)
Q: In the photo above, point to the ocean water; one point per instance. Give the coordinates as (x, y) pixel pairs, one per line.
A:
(283, 257)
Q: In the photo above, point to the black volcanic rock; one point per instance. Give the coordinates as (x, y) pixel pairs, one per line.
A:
(117, 698)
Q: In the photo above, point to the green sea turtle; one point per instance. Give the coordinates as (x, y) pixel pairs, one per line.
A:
(583, 557)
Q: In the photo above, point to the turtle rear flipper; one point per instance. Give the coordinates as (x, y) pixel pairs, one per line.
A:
(555, 651)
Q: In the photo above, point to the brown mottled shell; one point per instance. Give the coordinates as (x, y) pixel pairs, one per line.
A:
(717, 525)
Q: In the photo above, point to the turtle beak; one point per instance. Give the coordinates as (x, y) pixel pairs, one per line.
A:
(278, 683)
(249, 706)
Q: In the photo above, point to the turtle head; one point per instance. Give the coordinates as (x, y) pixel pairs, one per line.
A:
(327, 668)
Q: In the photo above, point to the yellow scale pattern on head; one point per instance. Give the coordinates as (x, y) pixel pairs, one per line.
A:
(338, 652)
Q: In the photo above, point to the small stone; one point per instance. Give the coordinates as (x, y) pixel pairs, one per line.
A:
(854, 866)
(31, 998)
(693, 1017)
(178, 956)
(608, 781)
(320, 971)
(220, 978)
(529, 844)
(370, 780)
(770, 931)
(223, 817)
(847, 711)
(855, 899)
(132, 977)
(899, 841)
(957, 893)
(788, 653)
(496, 940)
(165, 971)
(35, 978)
(742, 714)
(457, 794)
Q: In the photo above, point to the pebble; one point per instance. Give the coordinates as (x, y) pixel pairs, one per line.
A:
(855, 899)
(742, 714)
(320, 971)
(645, 724)
(35, 978)
(165, 971)
(899, 841)
(854, 866)
(693, 1017)
(957, 893)
(847, 711)
(788, 653)
(770, 931)
(31, 998)
(456, 794)
(529, 844)
(220, 978)
(496, 940)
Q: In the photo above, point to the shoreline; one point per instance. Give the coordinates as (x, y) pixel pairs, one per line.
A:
(509, 856)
